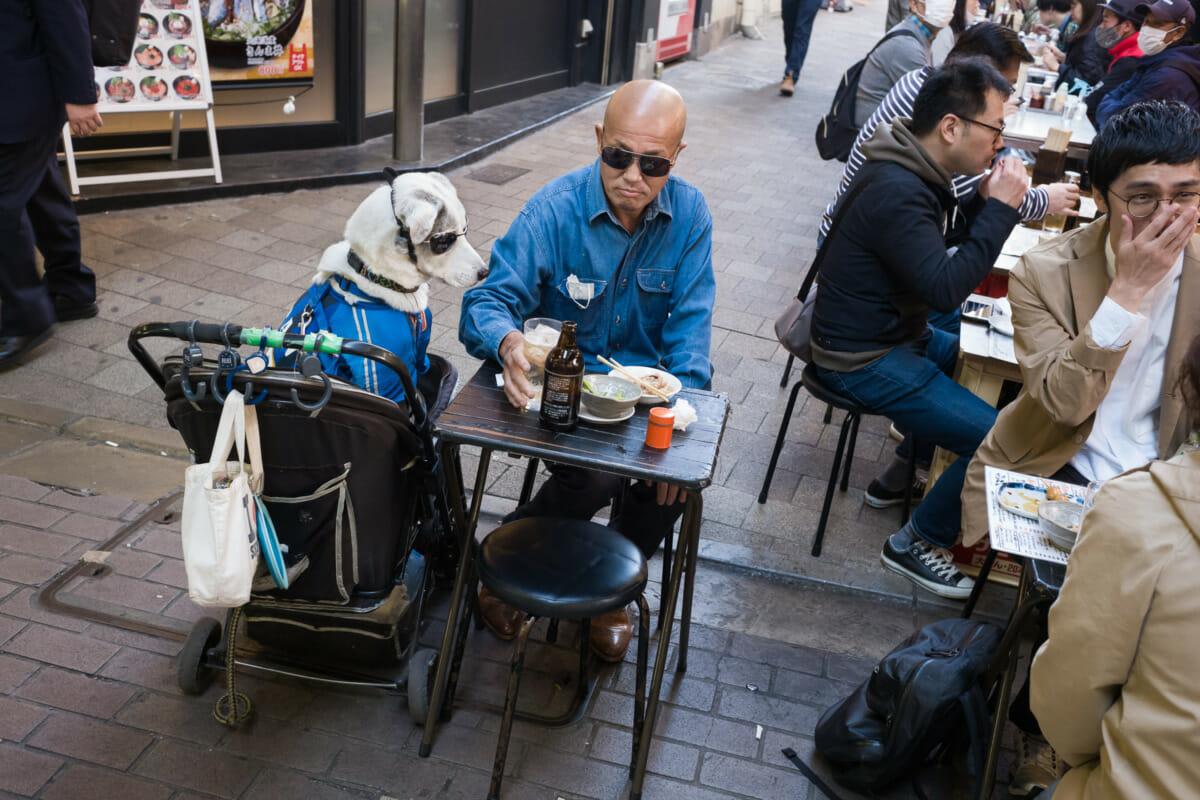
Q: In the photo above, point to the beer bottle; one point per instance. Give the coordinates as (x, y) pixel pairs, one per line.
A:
(563, 382)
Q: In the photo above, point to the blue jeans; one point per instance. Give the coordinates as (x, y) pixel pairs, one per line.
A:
(798, 18)
(911, 385)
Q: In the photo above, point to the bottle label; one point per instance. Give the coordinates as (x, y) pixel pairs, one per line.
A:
(557, 405)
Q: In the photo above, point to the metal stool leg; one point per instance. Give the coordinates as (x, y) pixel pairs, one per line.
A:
(787, 371)
(643, 660)
(828, 414)
(510, 704)
(909, 477)
(850, 454)
(527, 484)
(783, 426)
(851, 417)
(980, 580)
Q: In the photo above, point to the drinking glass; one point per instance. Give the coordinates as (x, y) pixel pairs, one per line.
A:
(541, 334)
(1054, 223)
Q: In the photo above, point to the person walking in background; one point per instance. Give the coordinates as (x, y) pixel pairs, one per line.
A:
(45, 49)
(798, 16)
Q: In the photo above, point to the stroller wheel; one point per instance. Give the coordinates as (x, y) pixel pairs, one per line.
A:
(421, 669)
(194, 675)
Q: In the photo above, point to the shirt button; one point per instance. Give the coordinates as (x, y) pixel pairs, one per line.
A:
(624, 282)
(618, 320)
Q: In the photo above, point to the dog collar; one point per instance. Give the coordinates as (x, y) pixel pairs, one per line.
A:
(356, 263)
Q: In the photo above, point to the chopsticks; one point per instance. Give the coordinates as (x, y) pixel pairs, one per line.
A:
(654, 390)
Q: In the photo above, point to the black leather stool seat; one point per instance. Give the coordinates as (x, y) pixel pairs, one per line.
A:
(561, 568)
(814, 386)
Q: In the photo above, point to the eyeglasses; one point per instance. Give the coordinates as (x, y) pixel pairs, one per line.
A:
(442, 242)
(651, 166)
(996, 132)
(1141, 206)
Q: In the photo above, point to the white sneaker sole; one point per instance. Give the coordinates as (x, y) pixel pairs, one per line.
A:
(879, 502)
(941, 590)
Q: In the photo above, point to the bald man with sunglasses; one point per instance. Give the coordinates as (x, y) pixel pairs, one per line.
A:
(623, 248)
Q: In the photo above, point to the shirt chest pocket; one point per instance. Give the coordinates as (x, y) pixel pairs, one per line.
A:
(655, 287)
(580, 302)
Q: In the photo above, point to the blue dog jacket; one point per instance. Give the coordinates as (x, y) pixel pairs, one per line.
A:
(341, 308)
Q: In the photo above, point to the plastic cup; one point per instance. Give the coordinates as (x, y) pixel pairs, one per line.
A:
(541, 334)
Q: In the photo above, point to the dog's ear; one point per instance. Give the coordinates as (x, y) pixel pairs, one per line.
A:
(390, 173)
(418, 210)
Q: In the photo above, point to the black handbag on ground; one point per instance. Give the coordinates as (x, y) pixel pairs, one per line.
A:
(922, 701)
(793, 328)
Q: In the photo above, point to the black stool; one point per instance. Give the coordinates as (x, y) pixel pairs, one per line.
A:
(854, 411)
(564, 569)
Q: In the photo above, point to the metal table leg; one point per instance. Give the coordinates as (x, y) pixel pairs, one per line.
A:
(692, 538)
(456, 599)
(691, 524)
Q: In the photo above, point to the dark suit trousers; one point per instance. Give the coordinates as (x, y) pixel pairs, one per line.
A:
(36, 210)
(579, 493)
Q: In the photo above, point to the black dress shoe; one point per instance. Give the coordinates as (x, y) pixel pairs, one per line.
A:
(14, 348)
(66, 310)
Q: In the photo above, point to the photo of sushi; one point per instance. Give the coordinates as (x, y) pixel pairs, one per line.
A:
(182, 56)
(148, 56)
(147, 26)
(153, 88)
(177, 25)
(119, 89)
(186, 87)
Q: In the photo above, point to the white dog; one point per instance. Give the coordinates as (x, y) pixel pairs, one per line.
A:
(373, 285)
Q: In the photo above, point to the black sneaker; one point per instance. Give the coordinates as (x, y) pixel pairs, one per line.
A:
(879, 496)
(929, 567)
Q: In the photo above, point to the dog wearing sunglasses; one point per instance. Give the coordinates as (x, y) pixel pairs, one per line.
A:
(374, 284)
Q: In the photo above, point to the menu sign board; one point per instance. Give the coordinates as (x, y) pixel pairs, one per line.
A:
(168, 70)
(257, 40)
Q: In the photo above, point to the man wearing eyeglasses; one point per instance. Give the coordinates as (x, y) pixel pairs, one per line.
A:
(624, 249)
(1102, 317)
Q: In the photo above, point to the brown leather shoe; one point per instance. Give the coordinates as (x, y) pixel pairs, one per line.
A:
(788, 87)
(611, 634)
(501, 618)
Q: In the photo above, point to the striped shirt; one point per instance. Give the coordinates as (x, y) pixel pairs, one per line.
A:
(899, 103)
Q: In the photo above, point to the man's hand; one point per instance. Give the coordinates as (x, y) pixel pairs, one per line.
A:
(1007, 182)
(512, 353)
(1064, 199)
(1143, 260)
(667, 494)
(84, 120)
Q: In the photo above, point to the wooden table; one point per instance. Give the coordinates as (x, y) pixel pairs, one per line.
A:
(482, 416)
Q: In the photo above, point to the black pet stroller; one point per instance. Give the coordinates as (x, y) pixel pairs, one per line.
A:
(354, 485)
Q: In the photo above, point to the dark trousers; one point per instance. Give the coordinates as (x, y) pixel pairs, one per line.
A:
(578, 493)
(36, 211)
(798, 18)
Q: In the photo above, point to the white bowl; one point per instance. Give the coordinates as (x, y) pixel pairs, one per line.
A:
(649, 399)
(1059, 520)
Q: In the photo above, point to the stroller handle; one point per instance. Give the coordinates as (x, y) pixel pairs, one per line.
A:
(195, 332)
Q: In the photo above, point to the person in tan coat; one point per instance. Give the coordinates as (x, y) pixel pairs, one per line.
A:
(1115, 686)
(1102, 316)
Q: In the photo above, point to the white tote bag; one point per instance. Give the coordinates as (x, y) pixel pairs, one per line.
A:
(220, 545)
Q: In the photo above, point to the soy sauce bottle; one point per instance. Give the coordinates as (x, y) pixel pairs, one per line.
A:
(563, 383)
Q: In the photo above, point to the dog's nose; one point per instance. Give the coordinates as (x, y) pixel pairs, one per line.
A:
(483, 273)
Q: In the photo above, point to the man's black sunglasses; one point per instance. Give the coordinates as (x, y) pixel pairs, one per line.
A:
(651, 166)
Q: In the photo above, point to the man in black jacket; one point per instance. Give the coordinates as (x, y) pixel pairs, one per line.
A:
(45, 48)
(888, 265)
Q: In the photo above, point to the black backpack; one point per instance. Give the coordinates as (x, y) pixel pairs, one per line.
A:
(113, 25)
(922, 701)
(836, 131)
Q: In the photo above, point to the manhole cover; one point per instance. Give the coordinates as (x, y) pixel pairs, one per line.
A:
(496, 174)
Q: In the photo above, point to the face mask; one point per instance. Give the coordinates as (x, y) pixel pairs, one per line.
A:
(1107, 37)
(1152, 40)
(938, 13)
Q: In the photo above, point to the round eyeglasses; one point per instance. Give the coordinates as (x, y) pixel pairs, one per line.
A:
(1143, 205)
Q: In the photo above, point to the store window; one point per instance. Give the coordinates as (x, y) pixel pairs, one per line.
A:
(443, 44)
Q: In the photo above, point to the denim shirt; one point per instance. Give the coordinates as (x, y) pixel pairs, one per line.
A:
(652, 290)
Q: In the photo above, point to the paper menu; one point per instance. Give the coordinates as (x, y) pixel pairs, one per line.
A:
(1010, 533)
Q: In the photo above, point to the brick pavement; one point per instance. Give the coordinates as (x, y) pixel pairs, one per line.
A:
(87, 710)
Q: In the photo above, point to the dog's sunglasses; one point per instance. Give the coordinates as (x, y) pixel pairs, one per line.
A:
(442, 242)
(651, 166)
